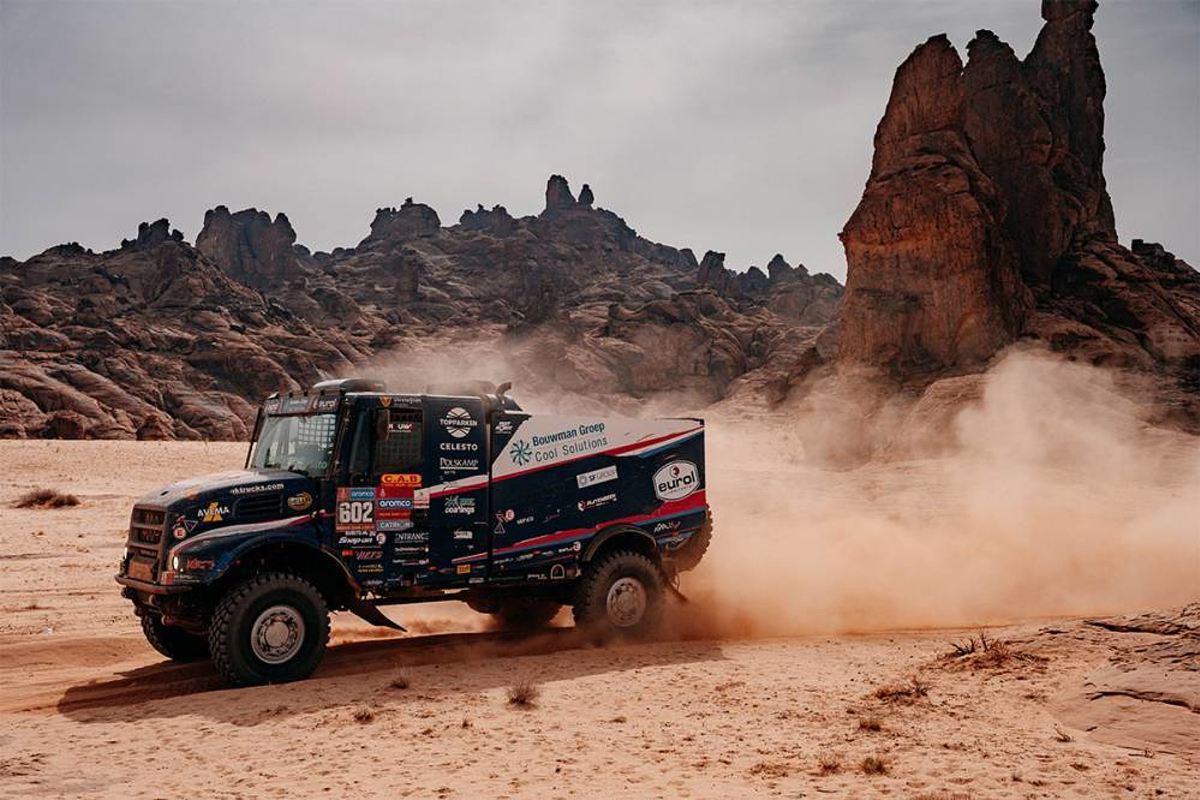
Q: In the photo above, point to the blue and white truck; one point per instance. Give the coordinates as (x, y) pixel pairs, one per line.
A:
(354, 497)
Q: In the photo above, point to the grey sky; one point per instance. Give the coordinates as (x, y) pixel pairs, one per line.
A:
(742, 127)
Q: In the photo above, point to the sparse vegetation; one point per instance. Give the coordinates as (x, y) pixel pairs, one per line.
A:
(873, 765)
(870, 724)
(364, 715)
(829, 763)
(769, 769)
(523, 695)
(907, 693)
(45, 498)
(401, 681)
(987, 653)
(1062, 736)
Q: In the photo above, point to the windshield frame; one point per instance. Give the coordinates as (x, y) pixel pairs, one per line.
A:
(268, 436)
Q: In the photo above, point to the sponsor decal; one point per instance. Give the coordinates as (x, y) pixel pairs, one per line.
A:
(213, 512)
(411, 551)
(421, 499)
(602, 475)
(355, 538)
(271, 406)
(663, 527)
(179, 531)
(369, 568)
(325, 403)
(458, 422)
(412, 537)
(300, 502)
(464, 533)
(504, 426)
(676, 480)
(458, 464)
(393, 525)
(190, 523)
(296, 405)
(354, 510)
(256, 488)
(597, 502)
(457, 504)
(459, 447)
(509, 515)
(402, 427)
(413, 562)
(369, 555)
(393, 503)
(558, 572)
(385, 401)
(463, 569)
(521, 452)
(198, 564)
(400, 479)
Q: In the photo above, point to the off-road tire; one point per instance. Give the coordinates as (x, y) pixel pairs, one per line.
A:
(688, 557)
(173, 642)
(526, 614)
(591, 607)
(230, 631)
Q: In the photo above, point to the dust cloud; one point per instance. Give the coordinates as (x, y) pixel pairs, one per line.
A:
(1048, 496)
(1035, 489)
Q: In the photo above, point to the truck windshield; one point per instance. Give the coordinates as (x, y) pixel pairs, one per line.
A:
(296, 443)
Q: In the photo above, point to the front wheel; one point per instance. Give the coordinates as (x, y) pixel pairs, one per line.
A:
(271, 628)
(174, 643)
(620, 594)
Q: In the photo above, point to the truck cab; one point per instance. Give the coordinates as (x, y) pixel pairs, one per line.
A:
(353, 497)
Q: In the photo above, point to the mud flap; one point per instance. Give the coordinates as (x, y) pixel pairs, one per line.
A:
(673, 588)
(371, 613)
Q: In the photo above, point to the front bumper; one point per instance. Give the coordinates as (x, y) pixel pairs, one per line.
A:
(152, 588)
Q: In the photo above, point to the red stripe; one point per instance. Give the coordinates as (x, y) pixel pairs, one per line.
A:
(695, 500)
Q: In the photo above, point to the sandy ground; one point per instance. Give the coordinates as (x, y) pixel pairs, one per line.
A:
(1063, 709)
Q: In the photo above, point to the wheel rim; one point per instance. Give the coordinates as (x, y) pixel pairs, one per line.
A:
(277, 634)
(626, 602)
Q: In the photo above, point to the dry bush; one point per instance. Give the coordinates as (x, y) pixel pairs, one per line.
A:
(870, 724)
(364, 715)
(45, 498)
(987, 653)
(829, 763)
(769, 769)
(401, 681)
(907, 693)
(1062, 736)
(873, 765)
(524, 695)
(942, 796)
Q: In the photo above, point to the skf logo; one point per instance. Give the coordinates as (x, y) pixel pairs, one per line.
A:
(214, 513)
(400, 479)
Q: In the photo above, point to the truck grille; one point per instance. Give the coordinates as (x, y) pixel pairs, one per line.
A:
(147, 525)
(259, 508)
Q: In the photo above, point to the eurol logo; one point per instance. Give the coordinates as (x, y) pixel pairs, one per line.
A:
(676, 480)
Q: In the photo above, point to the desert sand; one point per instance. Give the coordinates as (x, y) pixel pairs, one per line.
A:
(722, 706)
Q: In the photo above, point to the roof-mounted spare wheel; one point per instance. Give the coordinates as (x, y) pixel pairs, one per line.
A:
(350, 385)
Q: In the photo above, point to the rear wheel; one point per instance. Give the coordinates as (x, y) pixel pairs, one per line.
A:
(175, 643)
(620, 594)
(271, 628)
(688, 556)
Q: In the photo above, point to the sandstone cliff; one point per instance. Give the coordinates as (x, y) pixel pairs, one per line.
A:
(986, 219)
(160, 339)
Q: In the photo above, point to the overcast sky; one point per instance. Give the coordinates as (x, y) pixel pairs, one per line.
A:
(741, 127)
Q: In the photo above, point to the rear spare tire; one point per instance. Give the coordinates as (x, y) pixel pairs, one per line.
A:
(271, 628)
(620, 594)
(175, 643)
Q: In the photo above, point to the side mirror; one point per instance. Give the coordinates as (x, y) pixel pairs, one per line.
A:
(383, 424)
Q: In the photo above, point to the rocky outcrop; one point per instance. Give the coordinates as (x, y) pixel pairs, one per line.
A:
(986, 219)
(252, 248)
(159, 339)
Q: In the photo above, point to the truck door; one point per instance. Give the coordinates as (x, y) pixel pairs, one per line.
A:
(454, 496)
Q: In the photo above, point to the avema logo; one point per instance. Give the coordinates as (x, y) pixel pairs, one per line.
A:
(521, 452)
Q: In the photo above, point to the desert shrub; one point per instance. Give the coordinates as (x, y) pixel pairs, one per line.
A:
(873, 765)
(523, 695)
(46, 498)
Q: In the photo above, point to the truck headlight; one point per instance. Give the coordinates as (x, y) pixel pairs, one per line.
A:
(175, 563)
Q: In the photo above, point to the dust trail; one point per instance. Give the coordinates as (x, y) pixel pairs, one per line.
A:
(1049, 497)
(1046, 495)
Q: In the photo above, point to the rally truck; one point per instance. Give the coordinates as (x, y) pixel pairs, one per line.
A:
(353, 497)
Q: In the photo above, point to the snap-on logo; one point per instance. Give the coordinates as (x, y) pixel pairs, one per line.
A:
(676, 480)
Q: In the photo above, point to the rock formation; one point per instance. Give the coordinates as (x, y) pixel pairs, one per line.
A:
(159, 339)
(986, 219)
